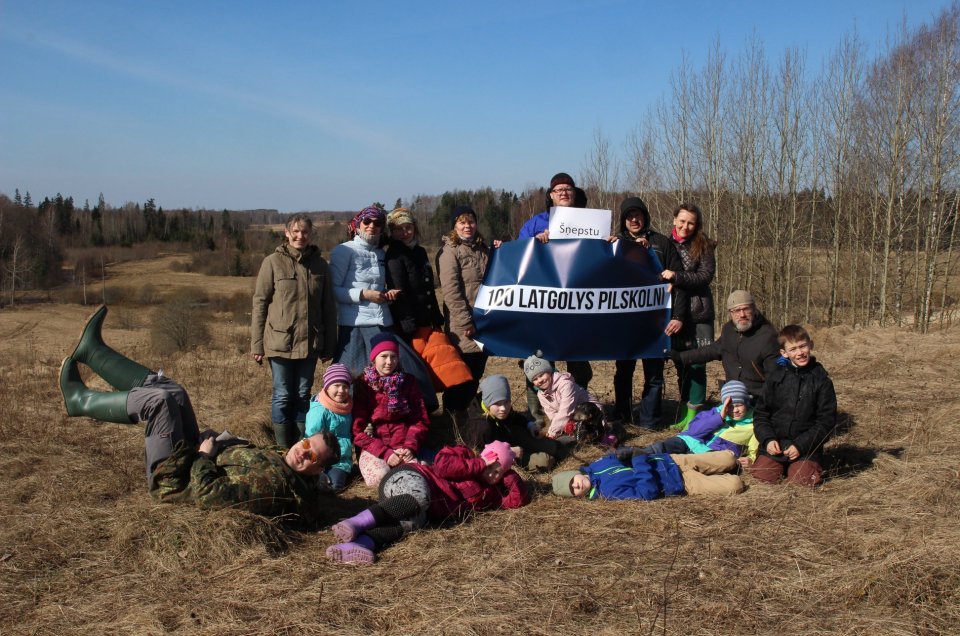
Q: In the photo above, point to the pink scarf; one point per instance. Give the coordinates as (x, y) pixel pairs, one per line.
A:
(389, 385)
(678, 238)
(334, 407)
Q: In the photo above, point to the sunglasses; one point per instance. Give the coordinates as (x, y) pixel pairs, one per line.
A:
(311, 454)
(376, 222)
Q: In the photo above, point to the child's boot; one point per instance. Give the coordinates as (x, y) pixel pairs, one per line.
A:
(349, 529)
(359, 551)
(691, 413)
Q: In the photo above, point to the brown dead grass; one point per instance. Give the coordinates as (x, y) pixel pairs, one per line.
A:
(84, 550)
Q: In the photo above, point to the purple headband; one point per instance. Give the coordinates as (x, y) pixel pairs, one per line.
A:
(367, 213)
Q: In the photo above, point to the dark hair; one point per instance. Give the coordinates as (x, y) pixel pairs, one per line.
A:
(699, 242)
(334, 445)
(793, 333)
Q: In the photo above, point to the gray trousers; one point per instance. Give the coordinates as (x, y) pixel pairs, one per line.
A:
(165, 407)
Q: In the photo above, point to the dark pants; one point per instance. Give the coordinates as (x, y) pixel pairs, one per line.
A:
(648, 415)
(671, 445)
(165, 407)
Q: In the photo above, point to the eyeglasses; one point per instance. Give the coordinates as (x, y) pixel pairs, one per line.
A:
(562, 190)
(311, 454)
(741, 310)
(374, 221)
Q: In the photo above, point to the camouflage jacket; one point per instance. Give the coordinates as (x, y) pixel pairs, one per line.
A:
(253, 479)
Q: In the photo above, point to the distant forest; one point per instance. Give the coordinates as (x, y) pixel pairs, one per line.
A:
(832, 192)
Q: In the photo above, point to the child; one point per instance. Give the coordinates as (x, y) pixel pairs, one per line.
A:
(728, 427)
(502, 423)
(651, 477)
(331, 410)
(456, 483)
(389, 417)
(796, 413)
(558, 394)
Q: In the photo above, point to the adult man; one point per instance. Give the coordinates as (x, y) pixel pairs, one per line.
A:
(747, 345)
(183, 464)
(562, 192)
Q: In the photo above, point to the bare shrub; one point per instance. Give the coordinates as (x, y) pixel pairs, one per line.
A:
(182, 323)
(147, 294)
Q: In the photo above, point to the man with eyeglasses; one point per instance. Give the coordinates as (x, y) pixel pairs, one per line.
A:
(747, 346)
(184, 464)
(562, 192)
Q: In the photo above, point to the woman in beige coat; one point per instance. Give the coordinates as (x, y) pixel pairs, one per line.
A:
(293, 323)
(461, 264)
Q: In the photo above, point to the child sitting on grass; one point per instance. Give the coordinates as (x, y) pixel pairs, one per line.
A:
(502, 423)
(389, 417)
(558, 394)
(796, 413)
(727, 427)
(627, 476)
(332, 410)
(457, 483)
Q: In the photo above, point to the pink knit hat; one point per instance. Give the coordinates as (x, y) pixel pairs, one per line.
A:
(383, 342)
(499, 452)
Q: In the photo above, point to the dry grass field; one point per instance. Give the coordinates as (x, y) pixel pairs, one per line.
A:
(84, 550)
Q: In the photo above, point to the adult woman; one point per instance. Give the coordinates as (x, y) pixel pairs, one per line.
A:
(293, 322)
(359, 278)
(699, 266)
(416, 312)
(461, 264)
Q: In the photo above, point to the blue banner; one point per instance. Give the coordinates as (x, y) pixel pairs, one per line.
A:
(574, 300)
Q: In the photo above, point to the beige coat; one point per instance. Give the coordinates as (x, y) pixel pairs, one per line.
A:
(461, 268)
(294, 311)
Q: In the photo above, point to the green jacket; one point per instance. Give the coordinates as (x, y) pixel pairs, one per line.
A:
(246, 477)
(294, 311)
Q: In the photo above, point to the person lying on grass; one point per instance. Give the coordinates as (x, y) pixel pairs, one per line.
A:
(183, 464)
(629, 475)
(457, 483)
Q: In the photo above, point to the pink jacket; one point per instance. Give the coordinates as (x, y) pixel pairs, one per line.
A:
(390, 430)
(561, 401)
(456, 489)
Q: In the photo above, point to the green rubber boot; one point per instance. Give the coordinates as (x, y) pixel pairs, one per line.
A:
(691, 413)
(119, 371)
(83, 401)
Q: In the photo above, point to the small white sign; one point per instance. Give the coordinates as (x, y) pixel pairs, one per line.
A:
(579, 223)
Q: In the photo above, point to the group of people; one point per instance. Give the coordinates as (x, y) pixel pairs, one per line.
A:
(374, 313)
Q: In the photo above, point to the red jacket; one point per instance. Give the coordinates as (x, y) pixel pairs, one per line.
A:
(456, 489)
(390, 430)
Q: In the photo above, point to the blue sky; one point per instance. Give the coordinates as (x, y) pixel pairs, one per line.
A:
(332, 105)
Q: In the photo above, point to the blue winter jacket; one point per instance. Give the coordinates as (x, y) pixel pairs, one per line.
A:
(535, 225)
(355, 266)
(649, 477)
(320, 419)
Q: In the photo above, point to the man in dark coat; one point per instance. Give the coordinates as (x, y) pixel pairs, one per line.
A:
(747, 345)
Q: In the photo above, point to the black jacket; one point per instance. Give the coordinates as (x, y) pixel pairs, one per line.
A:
(798, 406)
(665, 250)
(750, 356)
(694, 277)
(409, 269)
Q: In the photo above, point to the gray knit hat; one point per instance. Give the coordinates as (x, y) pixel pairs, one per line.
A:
(736, 391)
(494, 388)
(739, 297)
(561, 482)
(535, 365)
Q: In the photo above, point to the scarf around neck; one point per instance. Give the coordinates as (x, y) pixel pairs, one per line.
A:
(389, 385)
(334, 407)
(677, 237)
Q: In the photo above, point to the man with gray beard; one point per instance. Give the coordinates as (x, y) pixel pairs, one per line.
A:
(747, 345)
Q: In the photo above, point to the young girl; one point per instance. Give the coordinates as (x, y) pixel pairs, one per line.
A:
(331, 410)
(389, 417)
(558, 394)
(455, 484)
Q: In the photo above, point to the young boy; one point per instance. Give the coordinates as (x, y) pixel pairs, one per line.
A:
(729, 427)
(502, 423)
(651, 476)
(795, 414)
